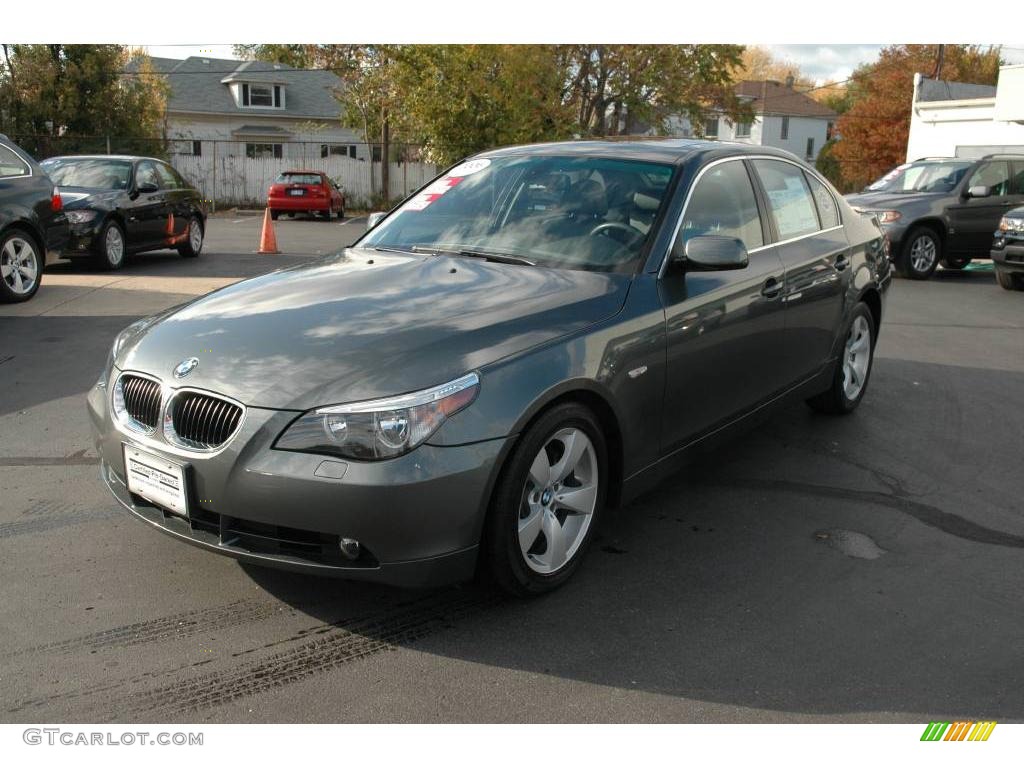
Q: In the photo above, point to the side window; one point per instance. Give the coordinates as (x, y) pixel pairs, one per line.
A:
(167, 177)
(145, 173)
(827, 211)
(995, 176)
(723, 203)
(789, 198)
(11, 164)
(1018, 179)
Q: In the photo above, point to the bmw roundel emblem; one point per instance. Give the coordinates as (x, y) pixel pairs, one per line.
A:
(185, 367)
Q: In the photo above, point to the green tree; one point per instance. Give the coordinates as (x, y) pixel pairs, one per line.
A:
(64, 98)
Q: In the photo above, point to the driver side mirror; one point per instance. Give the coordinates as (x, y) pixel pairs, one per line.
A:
(146, 188)
(712, 253)
(374, 219)
(979, 191)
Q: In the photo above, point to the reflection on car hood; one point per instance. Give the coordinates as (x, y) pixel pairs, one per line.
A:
(367, 324)
(80, 197)
(887, 200)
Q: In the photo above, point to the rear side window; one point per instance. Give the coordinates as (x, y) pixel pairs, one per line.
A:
(11, 164)
(995, 176)
(723, 203)
(827, 211)
(789, 198)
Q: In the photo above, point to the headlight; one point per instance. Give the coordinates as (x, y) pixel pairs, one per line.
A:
(80, 217)
(379, 429)
(888, 217)
(1006, 224)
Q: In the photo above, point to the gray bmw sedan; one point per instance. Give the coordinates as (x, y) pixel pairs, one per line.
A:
(539, 334)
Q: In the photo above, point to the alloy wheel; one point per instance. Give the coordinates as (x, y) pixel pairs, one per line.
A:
(19, 267)
(558, 500)
(195, 236)
(923, 253)
(856, 358)
(113, 244)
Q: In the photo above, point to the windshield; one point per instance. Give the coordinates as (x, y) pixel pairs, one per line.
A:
(572, 212)
(93, 173)
(924, 176)
(298, 178)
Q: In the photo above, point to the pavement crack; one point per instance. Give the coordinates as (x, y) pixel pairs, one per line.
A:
(927, 514)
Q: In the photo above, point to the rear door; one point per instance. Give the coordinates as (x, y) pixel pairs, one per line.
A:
(177, 198)
(974, 219)
(816, 255)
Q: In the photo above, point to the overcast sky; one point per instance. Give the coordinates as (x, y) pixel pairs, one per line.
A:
(822, 63)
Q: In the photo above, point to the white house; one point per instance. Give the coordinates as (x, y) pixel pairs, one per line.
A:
(254, 109)
(949, 119)
(783, 117)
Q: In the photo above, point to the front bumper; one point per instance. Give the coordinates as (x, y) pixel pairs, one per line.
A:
(84, 238)
(418, 518)
(1008, 254)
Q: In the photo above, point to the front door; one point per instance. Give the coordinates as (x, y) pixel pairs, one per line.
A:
(724, 329)
(147, 210)
(974, 219)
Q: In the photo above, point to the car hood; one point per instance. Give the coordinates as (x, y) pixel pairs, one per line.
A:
(365, 324)
(79, 197)
(876, 201)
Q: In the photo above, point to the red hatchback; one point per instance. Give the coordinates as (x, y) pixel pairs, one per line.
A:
(311, 191)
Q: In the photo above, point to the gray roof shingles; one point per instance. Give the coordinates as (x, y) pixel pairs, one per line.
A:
(197, 86)
(948, 90)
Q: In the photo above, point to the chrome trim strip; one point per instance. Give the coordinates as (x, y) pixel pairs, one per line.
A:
(735, 158)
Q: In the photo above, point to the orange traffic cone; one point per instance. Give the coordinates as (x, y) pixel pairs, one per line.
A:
(268, 241)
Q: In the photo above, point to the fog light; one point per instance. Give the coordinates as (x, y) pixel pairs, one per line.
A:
(349, 548)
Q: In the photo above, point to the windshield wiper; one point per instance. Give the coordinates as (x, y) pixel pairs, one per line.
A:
(473, 253)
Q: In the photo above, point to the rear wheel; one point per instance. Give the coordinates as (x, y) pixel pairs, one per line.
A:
(920, 254)
(853, 369)
(21, 267)
(194, 242)
(112, 248)
(547, 502)
(1011, 281)
(956, 262)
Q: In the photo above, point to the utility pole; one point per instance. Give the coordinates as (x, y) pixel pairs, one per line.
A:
(938, 63)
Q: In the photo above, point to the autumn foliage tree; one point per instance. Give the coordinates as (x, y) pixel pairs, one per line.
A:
(875, 127)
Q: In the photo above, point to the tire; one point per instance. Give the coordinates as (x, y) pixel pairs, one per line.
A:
(21, 266)
(341, 213)
(107, 255)
(956, 262)
(274, 215)
(1009, 280)
(520, 503)
(920, 254)
(193, 244)
(841, 397)
(325, 215)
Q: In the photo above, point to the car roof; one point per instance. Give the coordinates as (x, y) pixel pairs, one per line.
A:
(129, 158)
(651, 150)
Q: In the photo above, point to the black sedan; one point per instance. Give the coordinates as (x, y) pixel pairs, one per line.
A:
(118, 205)
(32, 224)
(539, 333)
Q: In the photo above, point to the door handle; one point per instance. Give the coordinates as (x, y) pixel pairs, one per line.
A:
(772, 288)
(842, 262)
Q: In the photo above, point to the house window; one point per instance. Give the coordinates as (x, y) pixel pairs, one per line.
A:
(711, 128)
(344, 150)
(742, 130)
(810, 148)
(192, 147)
(259, 95)
(263, 150)
(785, 128)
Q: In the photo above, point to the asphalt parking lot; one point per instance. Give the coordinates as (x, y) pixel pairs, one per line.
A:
(818, 569)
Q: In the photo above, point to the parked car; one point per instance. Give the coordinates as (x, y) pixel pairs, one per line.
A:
(539, 333)
(943, 210)
(305, 192)
(119, 204)
(1008, 250)
(32, 225)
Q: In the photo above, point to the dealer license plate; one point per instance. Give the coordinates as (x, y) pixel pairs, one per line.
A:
(155, 479)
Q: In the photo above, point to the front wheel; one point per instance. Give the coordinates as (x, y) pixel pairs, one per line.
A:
(1009, 280)
(853, 369)
(547, 502)
(112, 248)
(920, 255)
(194, 241)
